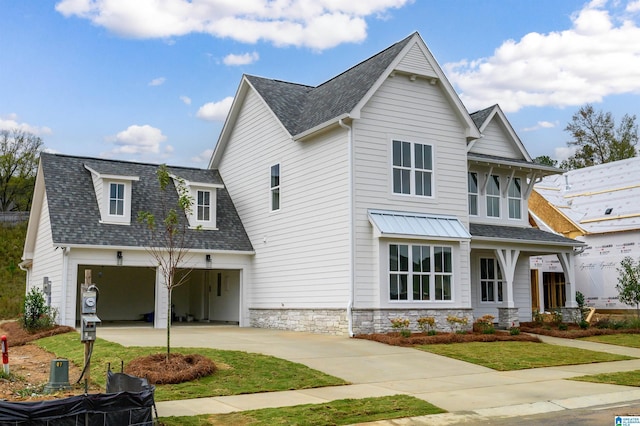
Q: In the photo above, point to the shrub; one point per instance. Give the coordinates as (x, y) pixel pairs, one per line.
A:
(456, 323)
(514, 331)
(427, 325)
(538, 318)
(402, 325)
(562, 326)
(556, 317)
(37, 315)
(583, 324)
(484, 324)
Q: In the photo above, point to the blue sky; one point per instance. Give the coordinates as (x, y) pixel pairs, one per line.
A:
(152, 81)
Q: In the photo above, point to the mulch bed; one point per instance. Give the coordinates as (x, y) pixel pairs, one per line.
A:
(573, 331)
(17, 336)
(396, 339)
(180, 368)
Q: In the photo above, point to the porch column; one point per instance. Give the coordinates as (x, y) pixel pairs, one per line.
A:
(508, 314)
(567, 260)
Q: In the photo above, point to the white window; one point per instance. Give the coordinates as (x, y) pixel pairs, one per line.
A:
(493, 196)
(412, 168)
(203, 204)
(275, 187)
(116, 199)
(473, 193)
(515, 199)
(490, 280)
(428, 269)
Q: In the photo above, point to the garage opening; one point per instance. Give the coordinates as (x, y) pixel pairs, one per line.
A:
(127, 293)
(208, 296)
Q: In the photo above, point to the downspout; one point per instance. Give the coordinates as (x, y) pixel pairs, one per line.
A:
(63, 302)
(351, 226)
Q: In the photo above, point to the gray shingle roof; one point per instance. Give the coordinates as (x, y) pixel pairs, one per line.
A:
(75, 217)
(301, 107)
(514, 233)
(479, 117)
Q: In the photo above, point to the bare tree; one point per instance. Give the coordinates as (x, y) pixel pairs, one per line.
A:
(169, 236)
(597, 139)
(19, 154)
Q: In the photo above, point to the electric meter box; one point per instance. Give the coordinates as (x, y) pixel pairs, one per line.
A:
(89, 302)
(88, 329)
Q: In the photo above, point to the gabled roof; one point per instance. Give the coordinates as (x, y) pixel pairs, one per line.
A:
(303, 109)
(75, 218)
(597, 199)
(484, 117)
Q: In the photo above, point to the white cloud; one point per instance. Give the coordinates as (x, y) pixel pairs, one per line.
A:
(318, 24)
(186, 100)
(541, 125)
(11, 122)
(563, 152)
(244, 59)
(203, 157)
(598, 56)
(633, 6)
(137, 140)
(157, 81)
(215, 111)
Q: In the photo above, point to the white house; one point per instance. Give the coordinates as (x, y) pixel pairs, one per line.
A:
(84, 217)
(377, 195)
(600, 206)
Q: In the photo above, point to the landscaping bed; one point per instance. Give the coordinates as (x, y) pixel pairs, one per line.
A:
(572, 331)
(396, 339)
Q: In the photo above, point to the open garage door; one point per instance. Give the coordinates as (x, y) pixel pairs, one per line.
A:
(209, 295)
(127, 293)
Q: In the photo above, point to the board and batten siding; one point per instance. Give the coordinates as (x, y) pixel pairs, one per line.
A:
(49, 262)
(416, 62)
(414, 111)
(302, 250)
(496, 141)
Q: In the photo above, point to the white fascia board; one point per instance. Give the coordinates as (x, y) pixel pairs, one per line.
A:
(139, 248)
(229, 121)
(112, 177)
(512, 242)
(334, 121)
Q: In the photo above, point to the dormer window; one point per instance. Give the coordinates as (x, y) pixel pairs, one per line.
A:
(204, 206)
(116, 199)
(113, 193)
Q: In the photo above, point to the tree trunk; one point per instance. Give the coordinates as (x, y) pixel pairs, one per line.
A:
(169, 290)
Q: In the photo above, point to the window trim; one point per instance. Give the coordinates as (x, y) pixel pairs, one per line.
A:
(497, 196)
(411, 168)
(119, 198)
(475, 194)
(518, 199)
(205, 207)
(410, 273)
(275, 188)
(497, 282)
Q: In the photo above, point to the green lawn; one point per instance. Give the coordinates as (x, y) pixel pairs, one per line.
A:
(624, 378)
(505, 356)
(340, 412)
(630, 340)
(239, 372)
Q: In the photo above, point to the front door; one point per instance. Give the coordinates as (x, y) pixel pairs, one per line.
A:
(554, 290)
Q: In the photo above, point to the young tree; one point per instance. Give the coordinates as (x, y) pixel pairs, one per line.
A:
(597, 139)
(169, 235)
(629, 283)
(19, 153)
(545, 160)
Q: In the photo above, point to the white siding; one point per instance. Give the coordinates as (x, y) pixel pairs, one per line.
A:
(47, 262)
(416, 62)
(418, 112)
(496, 141)
(302, 250)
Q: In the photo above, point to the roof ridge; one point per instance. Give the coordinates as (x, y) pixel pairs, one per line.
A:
(112, 160)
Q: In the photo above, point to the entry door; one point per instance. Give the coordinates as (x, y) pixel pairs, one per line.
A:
(554, 290)
(535, 292)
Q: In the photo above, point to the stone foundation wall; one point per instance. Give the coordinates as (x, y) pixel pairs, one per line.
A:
(327, 321)
(570, 314)
(508, 317)
(367, 321)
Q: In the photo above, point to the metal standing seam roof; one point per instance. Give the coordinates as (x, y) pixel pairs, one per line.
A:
(417, 224)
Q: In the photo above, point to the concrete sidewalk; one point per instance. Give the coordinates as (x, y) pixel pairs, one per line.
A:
(469, 392)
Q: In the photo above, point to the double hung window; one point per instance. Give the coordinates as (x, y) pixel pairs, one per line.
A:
(493, 196)
(420, 272)
(204, 206)
(412, 168)
(275, 187)
(473, 193)
(116, 199)
(515, 199)
(490, 280)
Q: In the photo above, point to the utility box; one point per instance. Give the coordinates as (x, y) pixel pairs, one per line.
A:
(90, 320)
(88, 329)
(58, 376)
